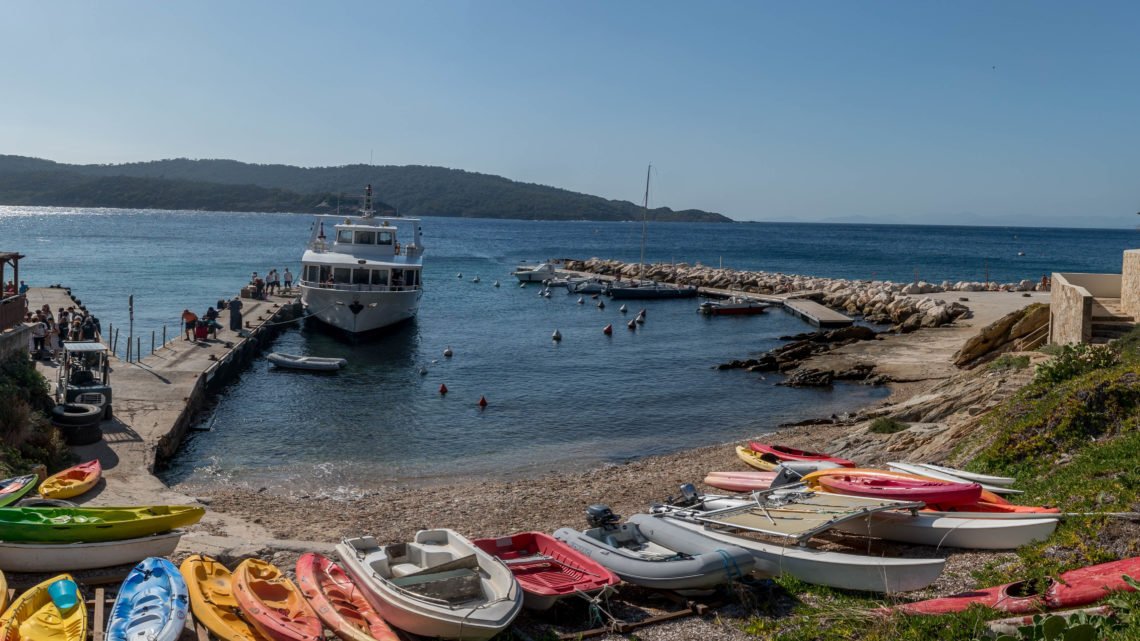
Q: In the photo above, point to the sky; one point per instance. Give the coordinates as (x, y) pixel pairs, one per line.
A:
(1013, 112)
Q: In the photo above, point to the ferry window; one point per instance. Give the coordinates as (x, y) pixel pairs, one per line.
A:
(341, 274)
(344, 236)
(397, 278)
(360, 276)
(325, 271)
(312, 272)
(383, 238)
(365, 237)
(413, 277)
(379, 276)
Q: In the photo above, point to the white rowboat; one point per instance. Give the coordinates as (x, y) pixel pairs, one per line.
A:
(315, 363)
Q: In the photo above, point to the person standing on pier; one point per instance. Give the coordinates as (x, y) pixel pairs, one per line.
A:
(235, 314)
(288, 278)
(190, 319)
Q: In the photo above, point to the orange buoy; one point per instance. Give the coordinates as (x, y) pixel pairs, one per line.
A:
(442, 389)
(608, 329)
(482, 401)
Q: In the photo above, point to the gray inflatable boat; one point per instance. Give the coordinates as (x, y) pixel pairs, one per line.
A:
(654, 552)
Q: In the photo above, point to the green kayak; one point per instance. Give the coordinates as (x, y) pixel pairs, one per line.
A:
(92, 524)
(13, 489)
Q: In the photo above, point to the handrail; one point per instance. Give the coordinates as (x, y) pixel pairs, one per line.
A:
(351, 287)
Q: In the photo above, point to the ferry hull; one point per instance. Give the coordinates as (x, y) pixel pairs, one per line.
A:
(376, 310)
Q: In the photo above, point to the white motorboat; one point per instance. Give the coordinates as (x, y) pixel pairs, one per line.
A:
(362, 279)
(734, 305)
(437, 585)
(586, 286)
(314, 363)
(535, 274)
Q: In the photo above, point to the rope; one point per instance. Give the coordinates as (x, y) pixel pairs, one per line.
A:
(595, 608)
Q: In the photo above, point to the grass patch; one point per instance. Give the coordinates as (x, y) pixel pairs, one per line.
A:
(885, 425)
(1007, 362)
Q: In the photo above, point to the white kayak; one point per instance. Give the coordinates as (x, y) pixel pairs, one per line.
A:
(989, 479)
(922, 470)
(64, 557)
(316, 363)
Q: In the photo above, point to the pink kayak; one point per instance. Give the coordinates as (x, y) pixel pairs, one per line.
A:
(932, 491)
(792, 454)
(740, 481)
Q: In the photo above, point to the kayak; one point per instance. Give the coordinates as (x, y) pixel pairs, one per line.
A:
(792, 454)
(13, 489)
(762, 462)
(1071, 589)
(3, 592)
(988, 502)
(740, 481)
(974, 477)
(151, 604)
(273, 604)
(931, 472)
(51, 611)
(931, 492)
(547, 569)
(339, 602)
(212, 599)
(73, 481)
(69, 524)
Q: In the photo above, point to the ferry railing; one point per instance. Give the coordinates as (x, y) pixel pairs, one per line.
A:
(349, 287)
(13, 310)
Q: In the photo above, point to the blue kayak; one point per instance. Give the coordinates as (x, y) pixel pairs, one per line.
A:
(151, 605)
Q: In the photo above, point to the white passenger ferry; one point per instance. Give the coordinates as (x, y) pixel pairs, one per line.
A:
(362, 273)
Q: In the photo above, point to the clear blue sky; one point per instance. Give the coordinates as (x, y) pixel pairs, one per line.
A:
(900, 111)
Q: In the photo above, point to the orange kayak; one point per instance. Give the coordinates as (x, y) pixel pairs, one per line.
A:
(73, 481)
(338, 602)
(987, 502)
(273, 604)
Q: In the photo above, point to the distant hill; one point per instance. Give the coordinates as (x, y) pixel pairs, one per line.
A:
(416, 190)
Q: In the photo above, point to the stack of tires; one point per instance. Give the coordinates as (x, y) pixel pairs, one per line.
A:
(78, 423)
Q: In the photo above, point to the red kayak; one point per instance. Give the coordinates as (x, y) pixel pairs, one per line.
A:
(941, 493)
(792, 454)
(338, 602)
(740, 481)
(546, 568)
(1073, 589)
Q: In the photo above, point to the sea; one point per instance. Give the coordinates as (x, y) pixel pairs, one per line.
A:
(587, 400)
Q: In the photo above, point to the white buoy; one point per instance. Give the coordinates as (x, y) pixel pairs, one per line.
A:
(423, 371)
(447, 352)
(475, 280)
(601, 304)
(547, 294)
(640, 319)
(632, 325)
(522, 285)
(1020, 253)
(557, 335)
(434, 361)
(496, 283)
(622, 309)
(459, 275)
(581, 300)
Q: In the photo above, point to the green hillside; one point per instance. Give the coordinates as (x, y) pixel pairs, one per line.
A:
(415, 190)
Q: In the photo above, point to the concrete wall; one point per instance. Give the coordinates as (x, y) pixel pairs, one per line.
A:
(1070, 309)
(15, 340)
(1130, 284)
(1098, 285)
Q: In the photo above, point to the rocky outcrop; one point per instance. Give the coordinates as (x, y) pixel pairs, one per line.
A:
(1015, 331)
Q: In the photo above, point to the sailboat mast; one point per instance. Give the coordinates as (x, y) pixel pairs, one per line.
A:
(644, 221)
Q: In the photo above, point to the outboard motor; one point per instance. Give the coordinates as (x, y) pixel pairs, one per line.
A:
(792, 471)
(601, 516)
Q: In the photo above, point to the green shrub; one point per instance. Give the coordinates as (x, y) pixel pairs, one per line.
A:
(884, 425)
(1008, 362)
(1075, 360)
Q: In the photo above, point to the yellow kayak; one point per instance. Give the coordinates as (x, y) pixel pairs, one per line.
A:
(212, 599)
(756, 459)
(3, 592)
(73, 481)
(51, 611)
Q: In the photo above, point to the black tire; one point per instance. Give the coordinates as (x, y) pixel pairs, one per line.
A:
(107, 412)
(83, 435)
(75, 414)
(41, 502)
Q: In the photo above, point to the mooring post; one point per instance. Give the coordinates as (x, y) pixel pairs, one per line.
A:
(115, 340)
(164, 335)
(152, 341)
(128, 349)
(138, 348)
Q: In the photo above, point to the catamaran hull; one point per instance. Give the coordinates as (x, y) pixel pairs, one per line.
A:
(374, 310)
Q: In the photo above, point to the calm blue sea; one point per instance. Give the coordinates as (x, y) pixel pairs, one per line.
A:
(588, 398)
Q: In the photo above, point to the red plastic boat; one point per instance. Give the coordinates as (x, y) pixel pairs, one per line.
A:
(338, 602)
(1072, 589)
(792, 454)
(740, 481)
(546, 568)
(929, 491)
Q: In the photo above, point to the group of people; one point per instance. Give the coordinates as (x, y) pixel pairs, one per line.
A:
(273, 282)
(208, 326)
(11, 289)
(49, 331)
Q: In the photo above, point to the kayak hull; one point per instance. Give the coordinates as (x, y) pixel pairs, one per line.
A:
(792, 454)
(273, 604)
(210, 586)
(338, 601)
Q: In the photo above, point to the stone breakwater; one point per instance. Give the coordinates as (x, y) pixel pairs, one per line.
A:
(884, 302)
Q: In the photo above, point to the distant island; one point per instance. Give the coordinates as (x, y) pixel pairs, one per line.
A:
(229, 185)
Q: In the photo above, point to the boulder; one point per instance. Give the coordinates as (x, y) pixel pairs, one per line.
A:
(809, 378)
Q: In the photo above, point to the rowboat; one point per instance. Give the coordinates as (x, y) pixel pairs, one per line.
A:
(11, 490)
(436, 585)
(57, 557)
(547, 569)
(740, 481)
(338, 602)
(68, 524)
(73, 481)
(929, 472)
(51, 611)
(1070, 590)
(928, 491)
(273, 604)
(212, 599)
(792, 454)
(973, 477)
(655, 553)
(151, 604)
(732, 307)
(314, 363)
